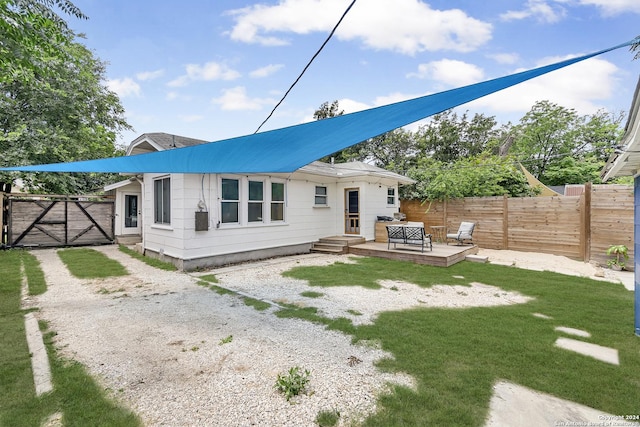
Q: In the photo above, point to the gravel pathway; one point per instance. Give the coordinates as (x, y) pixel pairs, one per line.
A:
(154, 339)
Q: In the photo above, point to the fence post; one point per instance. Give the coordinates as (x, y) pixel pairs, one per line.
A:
(586, 223)
(505, 222)
(444, 215)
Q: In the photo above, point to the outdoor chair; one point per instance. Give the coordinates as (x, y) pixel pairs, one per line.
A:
(464, 233)
(409, 234)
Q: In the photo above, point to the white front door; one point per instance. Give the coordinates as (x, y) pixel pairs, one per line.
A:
(131, 214)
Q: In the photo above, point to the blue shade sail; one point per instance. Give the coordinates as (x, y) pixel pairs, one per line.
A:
(288, 149)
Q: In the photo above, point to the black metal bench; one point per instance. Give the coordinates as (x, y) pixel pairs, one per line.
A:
(408, 235)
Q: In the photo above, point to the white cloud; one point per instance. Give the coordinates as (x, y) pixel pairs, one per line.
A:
(449, 71)
(265, 71)
(149, 75)
(405, 26)
(505, 58)
(614, 7)
(579, 86)
(124, 87)
(236, 99)
(540, 10)
(207, 72)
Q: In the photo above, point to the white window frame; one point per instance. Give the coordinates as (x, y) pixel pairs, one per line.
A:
(237, 201)
(164, 216)
(282, 202)
(324, 196)
(243, 201)
(391, 196)
(255, 202)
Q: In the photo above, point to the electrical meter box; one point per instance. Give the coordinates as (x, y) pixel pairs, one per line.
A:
(202, 221)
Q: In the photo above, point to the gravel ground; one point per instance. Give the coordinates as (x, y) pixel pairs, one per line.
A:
(154, 339)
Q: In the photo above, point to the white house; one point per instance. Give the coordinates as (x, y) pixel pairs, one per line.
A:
(200, 220)
(625, 161)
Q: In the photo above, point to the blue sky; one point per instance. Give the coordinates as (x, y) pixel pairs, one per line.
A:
(214, 69)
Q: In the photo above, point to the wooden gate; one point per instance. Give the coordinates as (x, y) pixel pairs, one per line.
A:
(49, 221)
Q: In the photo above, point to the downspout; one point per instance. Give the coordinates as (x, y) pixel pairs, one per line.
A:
(141, 206)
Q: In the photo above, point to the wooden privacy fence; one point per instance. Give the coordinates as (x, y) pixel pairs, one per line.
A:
(49, 221)
(580, 227)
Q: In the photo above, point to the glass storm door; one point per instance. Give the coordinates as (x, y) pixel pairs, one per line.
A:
(352, 211)
(131, 211)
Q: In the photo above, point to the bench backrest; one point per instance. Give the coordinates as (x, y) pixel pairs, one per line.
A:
(395, 232)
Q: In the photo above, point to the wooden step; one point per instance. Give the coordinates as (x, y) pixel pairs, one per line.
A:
(343, 240)
(329, 248)
(128, 240)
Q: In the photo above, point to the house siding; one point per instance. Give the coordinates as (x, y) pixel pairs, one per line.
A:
(636, 258)
(304, 221)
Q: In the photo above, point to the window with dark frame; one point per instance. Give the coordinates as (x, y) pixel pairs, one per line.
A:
(277, 201)
(391, 196)
(230, 200)
(256, 199)
(162, 200)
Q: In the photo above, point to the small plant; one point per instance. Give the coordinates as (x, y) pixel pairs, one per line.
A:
(292, 383)
(619, 254)
(226, 340)
(328, 418)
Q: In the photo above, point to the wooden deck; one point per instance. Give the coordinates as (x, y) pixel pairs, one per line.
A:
(443, 255)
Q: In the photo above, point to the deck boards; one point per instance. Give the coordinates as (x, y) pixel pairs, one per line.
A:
(443, 255)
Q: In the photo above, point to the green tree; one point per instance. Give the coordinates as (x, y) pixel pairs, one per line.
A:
(476, 176)
(570, 170)
(546, 133)
(549, 133)
(327, 110)
(449, 137)
(395, 151)
(31, 32)
(64, 113)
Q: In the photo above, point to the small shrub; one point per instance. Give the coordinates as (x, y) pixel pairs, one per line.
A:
(226, 340)
(292, 383)
(328, 418)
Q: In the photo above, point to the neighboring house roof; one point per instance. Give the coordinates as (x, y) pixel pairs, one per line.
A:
(573, 189)
(160, 141)
(288, 149)
(626, 160)
(120, 184)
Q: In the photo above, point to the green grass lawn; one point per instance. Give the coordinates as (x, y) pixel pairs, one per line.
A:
(76, 395)
(153, 262)
(85, 263)
(457, 354)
